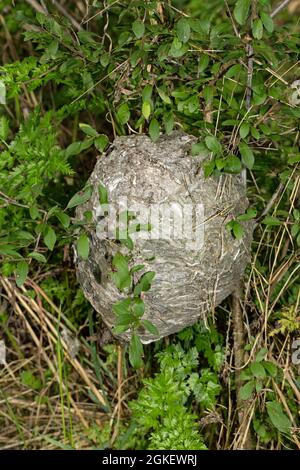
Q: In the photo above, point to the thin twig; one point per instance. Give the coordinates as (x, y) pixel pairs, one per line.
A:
(119, 394)
(36, 6)
(99, 81)
(237, 311)
(238, 347)
(271, 202)
(236, 32)
(279, 7)
(101, 11)
(67, 15)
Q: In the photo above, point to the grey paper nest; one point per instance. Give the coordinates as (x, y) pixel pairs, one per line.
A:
(190, 280)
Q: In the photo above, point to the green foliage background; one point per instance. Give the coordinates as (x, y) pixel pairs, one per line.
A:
(71, 80)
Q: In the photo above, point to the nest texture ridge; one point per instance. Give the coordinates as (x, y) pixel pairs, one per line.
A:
(191, 278)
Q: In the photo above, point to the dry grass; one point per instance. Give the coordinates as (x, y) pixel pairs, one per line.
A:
(264, 296)
(62, 403)
(55, 393)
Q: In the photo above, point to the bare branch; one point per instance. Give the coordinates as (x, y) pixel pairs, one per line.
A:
(279, 7)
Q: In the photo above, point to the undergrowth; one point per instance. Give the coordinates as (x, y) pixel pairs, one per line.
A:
(73, 76)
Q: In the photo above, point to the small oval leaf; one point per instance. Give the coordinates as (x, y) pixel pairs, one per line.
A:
(21, 273)
(50, 238)
(83, 246)
(138, 28)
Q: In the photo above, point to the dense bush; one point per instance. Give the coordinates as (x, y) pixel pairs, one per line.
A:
(72, 78)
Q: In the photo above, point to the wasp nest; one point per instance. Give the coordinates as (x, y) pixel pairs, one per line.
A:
(196, 259)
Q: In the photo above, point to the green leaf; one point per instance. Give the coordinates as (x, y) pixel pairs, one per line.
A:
(255, 134)
(244, 130)
(138, 28)
(294, 159)
(246, 375)
(128, 243)
(270, 368)
(123, 113)
(119, 329)
(83, 246)
(234, 71)
(271, 221)
(295, 230)
(8, 250)
(246, 390)
(177, 49)
(122, 307)
(21, 273)
(40, 228)
(88, 217)
(257, 29)
(4, 128)
(296, 214)
(63, 218)
(80, 198)
(220, 163)
(125, 318)
(88, 130)
(138, 307)
(144, 283)
(104, 60)
(137, 267)
(208, 94)
(124, 37)
(101, 142)
(183, 30)
(146, 109)
(250, 214)
(136, 352)
(34, 212)
(241, 11)
(78, 147)
(163, 95)
(233, 165)
(22, 235)
(147, 93)
(2, 92)
(200, 26)
(278, 418)
(121, 276)
(50, 238)
(38, 257)
(247, 155)
(259, 95)
(148, 325)
(103, 195)
(258, 370)
(52, 211)
(203, 63)
(51, 51)
(237, 230)
(199, 149)
(261, 354)
(267, 22)
(213, 144)
(154, 129)
(209, 168)
(168, 120)
(31, 380)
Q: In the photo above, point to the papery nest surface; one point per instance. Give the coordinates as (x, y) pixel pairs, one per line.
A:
(195, 269)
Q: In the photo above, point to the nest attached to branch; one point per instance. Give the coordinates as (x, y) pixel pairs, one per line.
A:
(191, 278)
